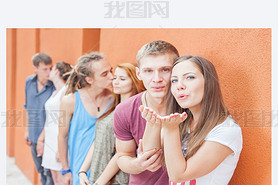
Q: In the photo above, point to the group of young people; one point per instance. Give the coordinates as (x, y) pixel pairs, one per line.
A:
(161, 122)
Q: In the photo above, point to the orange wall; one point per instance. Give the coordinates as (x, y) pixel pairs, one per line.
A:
(242, 58)
(10, 90)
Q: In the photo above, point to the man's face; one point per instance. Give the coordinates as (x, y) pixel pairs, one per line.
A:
(43, 71)
(155, 72)
(103, 76)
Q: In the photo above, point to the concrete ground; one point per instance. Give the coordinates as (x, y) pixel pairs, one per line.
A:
(14, 175)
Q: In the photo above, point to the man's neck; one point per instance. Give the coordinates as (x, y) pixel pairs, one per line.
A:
(95, 94)
(41, 82)
(157, 104)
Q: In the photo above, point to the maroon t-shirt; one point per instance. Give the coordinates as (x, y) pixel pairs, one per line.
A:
(128, 125)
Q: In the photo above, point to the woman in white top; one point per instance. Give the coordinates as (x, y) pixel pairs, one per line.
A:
(50, 158)
(201, 141)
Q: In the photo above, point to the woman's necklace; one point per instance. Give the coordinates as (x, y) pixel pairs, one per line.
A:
(98, 106)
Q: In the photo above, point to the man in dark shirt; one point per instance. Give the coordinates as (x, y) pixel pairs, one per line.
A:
(37, 90)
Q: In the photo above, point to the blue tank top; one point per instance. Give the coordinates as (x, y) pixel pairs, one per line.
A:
(81, 137)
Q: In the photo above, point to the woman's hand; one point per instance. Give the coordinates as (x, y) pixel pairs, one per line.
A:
(150, 116)
(83, 179)
(40, 148)
(173, 120)
(153, 162)
(57, 157)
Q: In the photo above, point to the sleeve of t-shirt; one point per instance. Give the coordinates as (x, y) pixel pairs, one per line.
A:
(25, 104)
(228, 135)
(122, 124)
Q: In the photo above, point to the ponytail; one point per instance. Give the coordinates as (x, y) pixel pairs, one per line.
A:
(81, 70)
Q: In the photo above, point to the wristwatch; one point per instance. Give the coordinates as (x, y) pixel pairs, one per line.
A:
(63, 172)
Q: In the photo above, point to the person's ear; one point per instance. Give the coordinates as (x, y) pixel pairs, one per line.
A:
(35, 69)
(138, 73)
(89, 80)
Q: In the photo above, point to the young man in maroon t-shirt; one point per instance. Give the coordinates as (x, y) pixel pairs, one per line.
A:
(154, 61)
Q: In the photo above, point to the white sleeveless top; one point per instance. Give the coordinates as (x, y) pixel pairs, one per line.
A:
(51, 127)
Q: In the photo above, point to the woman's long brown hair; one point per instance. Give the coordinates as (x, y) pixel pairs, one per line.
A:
(213, 109)
(64, 70)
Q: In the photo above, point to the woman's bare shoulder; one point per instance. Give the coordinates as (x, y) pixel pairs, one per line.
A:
(68, 100)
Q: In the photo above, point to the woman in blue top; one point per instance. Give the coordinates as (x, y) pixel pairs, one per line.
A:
(88, 96)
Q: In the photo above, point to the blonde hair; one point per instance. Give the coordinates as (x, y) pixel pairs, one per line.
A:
(213, 109)
(81, 70)
(158, 47)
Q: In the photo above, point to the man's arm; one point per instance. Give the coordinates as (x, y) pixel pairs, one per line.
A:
(67, 109)
(127, 160)
(130, 163)
(152, 133)
(83, 179)
(40, 144)
(26, 133)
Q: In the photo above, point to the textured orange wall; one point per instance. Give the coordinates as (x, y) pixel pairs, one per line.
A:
(243, 60)
(11, 64)
(68, 44)
(90, 40)
(61, 44)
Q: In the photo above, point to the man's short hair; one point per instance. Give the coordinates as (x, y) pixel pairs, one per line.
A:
(41, 57)
(158, 47)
